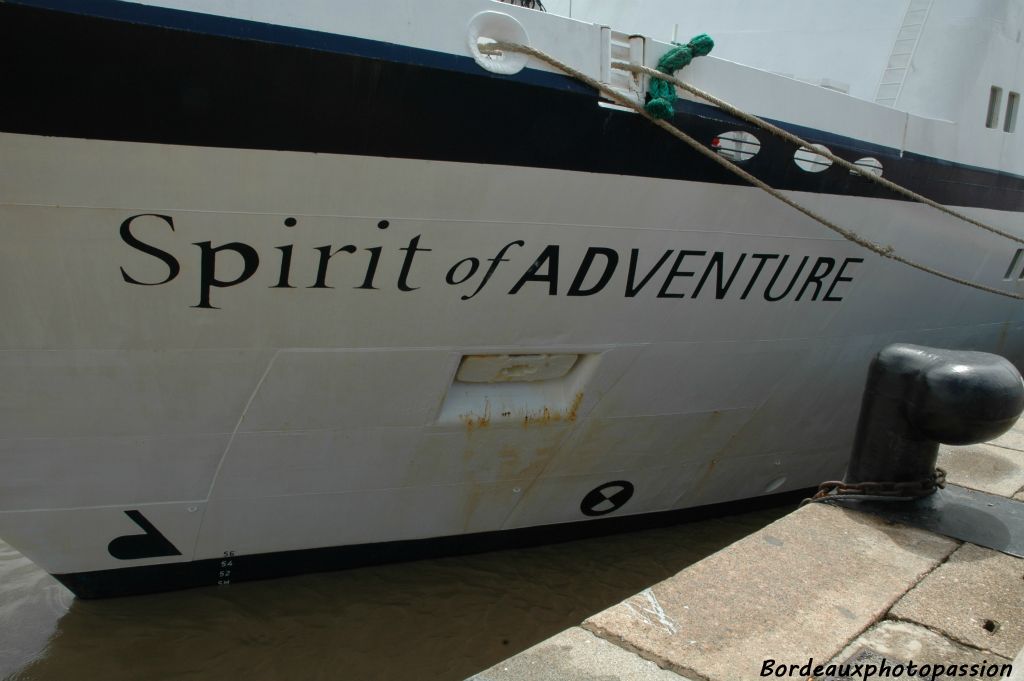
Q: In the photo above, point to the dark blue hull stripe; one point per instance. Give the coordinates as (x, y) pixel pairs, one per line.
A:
(103, 69)
(244, 29)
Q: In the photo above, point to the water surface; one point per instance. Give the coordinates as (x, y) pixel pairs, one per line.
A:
(433, 619)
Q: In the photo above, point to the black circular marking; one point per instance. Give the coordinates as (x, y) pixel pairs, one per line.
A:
(383, 224)
(609, 497)
(290, 222)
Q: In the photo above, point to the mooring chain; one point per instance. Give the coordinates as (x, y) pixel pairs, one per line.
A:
(498, 47)
(888, 491)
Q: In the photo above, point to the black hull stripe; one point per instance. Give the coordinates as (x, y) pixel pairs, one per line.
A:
(132, 581)
(76, 75)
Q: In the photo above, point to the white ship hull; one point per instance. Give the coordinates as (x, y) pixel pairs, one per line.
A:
(214, 355)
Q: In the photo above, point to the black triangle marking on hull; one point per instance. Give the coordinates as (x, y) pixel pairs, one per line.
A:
(152, 544)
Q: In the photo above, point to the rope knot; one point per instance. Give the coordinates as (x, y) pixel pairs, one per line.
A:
(663, 93)
(701, 45)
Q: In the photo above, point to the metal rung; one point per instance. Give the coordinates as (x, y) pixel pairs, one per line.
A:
(619, 46)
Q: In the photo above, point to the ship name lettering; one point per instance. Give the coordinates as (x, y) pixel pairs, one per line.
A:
(551, 269)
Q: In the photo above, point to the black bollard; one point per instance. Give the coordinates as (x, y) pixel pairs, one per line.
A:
(917, 397)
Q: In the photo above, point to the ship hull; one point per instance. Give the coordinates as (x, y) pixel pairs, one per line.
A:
(228, 342)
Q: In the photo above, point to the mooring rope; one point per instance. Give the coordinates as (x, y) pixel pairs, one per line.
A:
(498, 47)
(790, 137)
(662, 102)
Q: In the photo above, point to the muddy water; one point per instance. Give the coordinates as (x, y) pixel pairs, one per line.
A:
(434, 619)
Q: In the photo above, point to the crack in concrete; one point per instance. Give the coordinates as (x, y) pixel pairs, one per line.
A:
(945, 635)
(1012, 449)
(600, 632)
(949, 637)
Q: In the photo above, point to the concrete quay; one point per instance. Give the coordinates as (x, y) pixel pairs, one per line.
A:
(824, 583)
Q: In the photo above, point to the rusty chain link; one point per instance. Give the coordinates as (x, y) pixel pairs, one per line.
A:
(890, 491)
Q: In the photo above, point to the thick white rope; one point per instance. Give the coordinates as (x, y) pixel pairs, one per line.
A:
(498, 47)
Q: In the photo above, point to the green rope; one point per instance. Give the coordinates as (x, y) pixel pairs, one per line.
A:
(663, 93)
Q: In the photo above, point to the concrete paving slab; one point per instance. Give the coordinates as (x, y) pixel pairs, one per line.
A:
(975, 598)
(1011, 439)
(903, 642)
(802, 587)
(1018, 667)
(574, 655)
(995, 470)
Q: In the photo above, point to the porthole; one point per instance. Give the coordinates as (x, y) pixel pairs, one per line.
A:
(810, 160)
(872, 165)
(736, 145)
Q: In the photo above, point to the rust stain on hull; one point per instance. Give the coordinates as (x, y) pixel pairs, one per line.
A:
(521, 458)
(1001, 341)
(547, 416)
(470, 505)
(541, 417)
(474, 421)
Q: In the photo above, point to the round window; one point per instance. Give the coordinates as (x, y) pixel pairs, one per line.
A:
(810, 160)
(872, 165)
(736, 145)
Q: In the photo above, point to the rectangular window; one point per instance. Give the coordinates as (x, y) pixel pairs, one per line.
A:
(995, 103)
(1013, 266)
(1012, 104)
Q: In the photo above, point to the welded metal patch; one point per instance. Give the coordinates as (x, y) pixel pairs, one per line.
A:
(987, 520)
